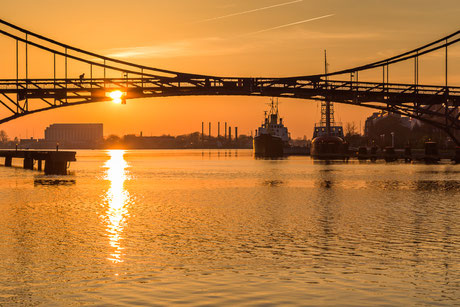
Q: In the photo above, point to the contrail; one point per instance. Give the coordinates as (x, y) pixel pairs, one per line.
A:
(289, 24)
(251, 11)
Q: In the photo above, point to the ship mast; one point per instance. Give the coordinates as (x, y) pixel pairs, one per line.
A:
(327, 107)
(274, 106)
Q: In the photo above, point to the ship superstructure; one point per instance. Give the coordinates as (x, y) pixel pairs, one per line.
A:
(272, 136)
(273, 124)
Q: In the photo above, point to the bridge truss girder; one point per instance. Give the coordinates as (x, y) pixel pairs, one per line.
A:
(436, 105)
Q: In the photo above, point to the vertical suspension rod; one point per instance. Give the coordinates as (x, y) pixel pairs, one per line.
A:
(447, 91)
(357, 83)
(446, 65)
(416, 72)
(17, 76)
(66, 75)
(104, 75)
(127, 83)
(27, 73)
(388, 75)
(54, 76)
(351, 81)
(383, 78)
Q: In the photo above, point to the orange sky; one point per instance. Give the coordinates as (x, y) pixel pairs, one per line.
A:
(257, 38)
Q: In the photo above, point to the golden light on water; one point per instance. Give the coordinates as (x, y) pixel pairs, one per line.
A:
(118, 200)
(116, 96)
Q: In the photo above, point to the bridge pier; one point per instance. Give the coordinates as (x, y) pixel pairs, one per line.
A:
(28, 162)
(55, 166)
(8, 161)
(39, 165)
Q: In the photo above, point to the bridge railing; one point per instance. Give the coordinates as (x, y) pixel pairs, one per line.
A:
(11, 85)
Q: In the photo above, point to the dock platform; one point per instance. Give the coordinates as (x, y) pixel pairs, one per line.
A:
(56, 162)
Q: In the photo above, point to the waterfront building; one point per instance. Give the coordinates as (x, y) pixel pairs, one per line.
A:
(75, 135)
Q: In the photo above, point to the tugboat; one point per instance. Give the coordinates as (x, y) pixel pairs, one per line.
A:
(272, 137)
(328, 139)
(328, 136)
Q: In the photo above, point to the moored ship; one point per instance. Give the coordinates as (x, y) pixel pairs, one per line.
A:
(328, 146)
(328, 139)
(272, 137)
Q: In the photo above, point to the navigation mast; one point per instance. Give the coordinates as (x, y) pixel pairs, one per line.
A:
(327, 107)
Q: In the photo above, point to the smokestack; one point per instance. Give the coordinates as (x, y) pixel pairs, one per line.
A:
(202, 131)
(209, 129)
(225, 130)
(236, 133)
(229, 133)
(218, 129)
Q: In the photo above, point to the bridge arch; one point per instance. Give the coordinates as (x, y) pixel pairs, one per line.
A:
(436, 105)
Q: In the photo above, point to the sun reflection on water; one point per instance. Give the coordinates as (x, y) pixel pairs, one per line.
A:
(117, 201)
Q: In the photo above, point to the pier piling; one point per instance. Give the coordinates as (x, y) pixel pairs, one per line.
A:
(8, 160)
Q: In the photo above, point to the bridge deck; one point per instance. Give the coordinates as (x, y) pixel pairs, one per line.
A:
(72, 90)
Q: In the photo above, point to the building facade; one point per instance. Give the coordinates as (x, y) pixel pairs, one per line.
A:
(75, 135)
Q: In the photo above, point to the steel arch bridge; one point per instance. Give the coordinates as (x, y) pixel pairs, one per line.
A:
(433, 104)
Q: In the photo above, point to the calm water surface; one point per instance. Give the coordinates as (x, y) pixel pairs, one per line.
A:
(220, 228)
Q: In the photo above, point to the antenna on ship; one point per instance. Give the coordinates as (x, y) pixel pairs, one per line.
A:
(277, 103)
(274, 105)
(327, 107)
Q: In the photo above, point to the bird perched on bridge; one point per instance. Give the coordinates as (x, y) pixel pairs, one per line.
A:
(82, 76)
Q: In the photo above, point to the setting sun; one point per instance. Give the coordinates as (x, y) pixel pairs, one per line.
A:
(116, 96)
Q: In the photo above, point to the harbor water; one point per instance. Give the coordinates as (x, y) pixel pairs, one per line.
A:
(194, 227)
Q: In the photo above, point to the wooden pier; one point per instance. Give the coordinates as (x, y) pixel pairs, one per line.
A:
(56, 162)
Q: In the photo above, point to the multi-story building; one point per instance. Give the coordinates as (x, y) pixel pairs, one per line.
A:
(404, 121)
(75, 135)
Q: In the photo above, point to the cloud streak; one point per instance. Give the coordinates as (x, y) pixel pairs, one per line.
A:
(251, 11)
(288, 25)
(216, 46)
(210, 46)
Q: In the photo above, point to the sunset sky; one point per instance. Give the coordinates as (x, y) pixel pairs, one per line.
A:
(257, 38)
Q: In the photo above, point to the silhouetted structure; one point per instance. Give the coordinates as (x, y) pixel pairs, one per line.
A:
(386, 129)
(75, 135)
(56, 162)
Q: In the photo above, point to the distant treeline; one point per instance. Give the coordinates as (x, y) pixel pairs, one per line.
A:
(192, 140)
(131, 141)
